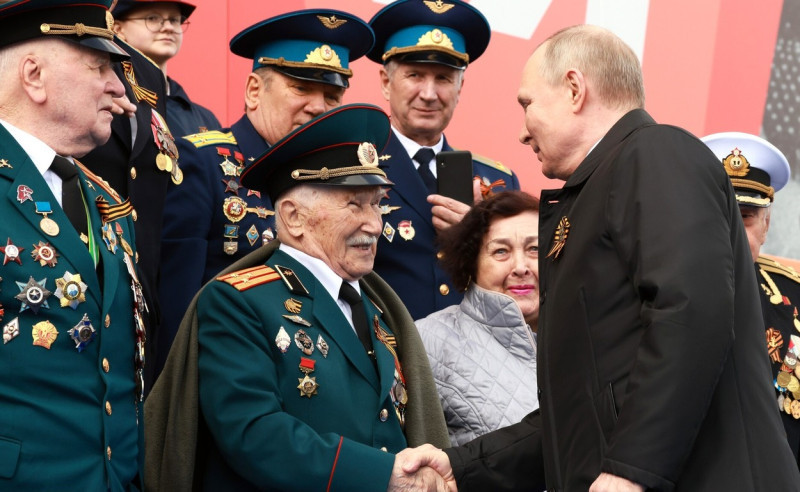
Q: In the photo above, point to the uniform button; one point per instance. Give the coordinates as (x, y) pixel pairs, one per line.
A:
(383, 448)
(444, 289)
(439, 255)
(106, 365)
(137, 257)
(108, 453)
(134, 215)
(108, 407)
(384, 415)
(108, 320)
(133, 173)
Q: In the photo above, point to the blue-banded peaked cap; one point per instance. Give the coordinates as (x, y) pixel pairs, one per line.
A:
(756, 167)
(315, 44)
(337, 148)
(86, 22)
(448, 32)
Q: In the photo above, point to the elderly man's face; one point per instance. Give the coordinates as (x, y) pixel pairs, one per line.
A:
(422, 97)
(284, 103)
(80, 85)
(549, 124)
(341, 227)
(756, 224)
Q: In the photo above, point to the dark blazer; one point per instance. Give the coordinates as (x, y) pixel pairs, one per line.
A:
(410, 265)
(195, 224)
(186, 117)
(651, 357)
(130, 168)
(780, 298)
(68, 418)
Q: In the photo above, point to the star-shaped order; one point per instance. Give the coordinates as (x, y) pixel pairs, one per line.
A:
(71, 290)
(11, 252)
(33, 295)
(232, 185)
(44, 254)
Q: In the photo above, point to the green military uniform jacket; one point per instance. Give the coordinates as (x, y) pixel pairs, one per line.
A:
(70, 417)
(330, 440)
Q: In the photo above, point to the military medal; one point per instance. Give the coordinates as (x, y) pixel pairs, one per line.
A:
(774, 343)
(167, 158)
(795, 409)
(254, 192)
(231, 246)
(282, 340)
(11, 252)
(10, 330)
(308, 385)
(783, 380)
(234, 208)
(559, 238)
(47, 224)
(33, 295)
(796, 322)
(388, 231)
(406, 230)
(297, 319)
(252, 235)
(232, 185)
(44, 334)
(293, 305)
(267, 236)
(44, 254)
(322, 346)
(228, 167)
(122, 241)
(82, 333)
(385, 209)
(71, 290)
(398, 392)
(303, 342)
(109, 238)
(24, 193)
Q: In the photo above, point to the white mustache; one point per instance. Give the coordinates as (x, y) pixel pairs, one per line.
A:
(362, 240)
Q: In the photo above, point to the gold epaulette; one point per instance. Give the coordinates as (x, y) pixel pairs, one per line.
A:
(491, 163)
(250, 277)
(214, 137)
(773, 266)
(99, 182)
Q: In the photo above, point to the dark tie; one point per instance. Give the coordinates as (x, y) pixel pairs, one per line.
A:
(71, 198)
(423, 157)
(349, 295)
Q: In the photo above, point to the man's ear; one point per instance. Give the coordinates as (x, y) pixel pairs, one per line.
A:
(252, 91)
(291, 217)
(576, 84)
(384, 83)
(33, 77)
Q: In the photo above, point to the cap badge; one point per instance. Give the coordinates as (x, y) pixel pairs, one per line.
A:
(435, 38)
(367, 155)
(324, 55)
(438, 6)
(331, 22)
(736, 164)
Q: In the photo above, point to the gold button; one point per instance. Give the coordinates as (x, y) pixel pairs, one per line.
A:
(134, 215)
(133, 173)
(137, 257)
(444, 289)
(439, 255)
(384, 415)
(106, 365)
(108, 453)
(108, 320)
(108, 407)
(384, 449)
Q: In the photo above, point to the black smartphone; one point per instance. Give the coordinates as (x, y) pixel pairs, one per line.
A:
(454, 174)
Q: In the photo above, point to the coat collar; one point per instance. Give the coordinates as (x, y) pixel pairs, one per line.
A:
(249, 141)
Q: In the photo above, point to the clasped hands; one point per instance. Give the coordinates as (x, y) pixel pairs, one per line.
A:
(424, 468)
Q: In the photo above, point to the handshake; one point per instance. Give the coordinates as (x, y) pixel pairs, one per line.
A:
(422, 468)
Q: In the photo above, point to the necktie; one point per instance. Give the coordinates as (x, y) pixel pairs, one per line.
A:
(349, 295)
(71, 197)
(424, 156)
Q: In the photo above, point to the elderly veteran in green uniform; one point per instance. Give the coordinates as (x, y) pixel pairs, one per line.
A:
(757, 170)
(300, 70)
(71, 357)
(310, 373)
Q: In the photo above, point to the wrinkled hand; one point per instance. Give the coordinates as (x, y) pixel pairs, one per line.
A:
(122, 105)
(424, 479)
(447, 212)
(422, 458)
(607, 482)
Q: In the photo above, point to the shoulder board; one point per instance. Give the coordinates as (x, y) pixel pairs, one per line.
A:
(99, 182)
(250, 277)
(491, 163)
(773, 266)
(214, 137)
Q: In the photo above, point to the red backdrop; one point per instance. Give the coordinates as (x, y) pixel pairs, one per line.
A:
(706, 63)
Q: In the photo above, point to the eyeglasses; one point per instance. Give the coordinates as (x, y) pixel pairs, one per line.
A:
(155, 23)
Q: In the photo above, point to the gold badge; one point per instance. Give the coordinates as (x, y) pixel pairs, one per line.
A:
(406, 230)
(559, 238)
(736, 164)
(308, 385)
(324, 55)
(331, 22)
(438, 6)
(293, 305)
(367, 155)
(44, 334)
(234, 208)
(71, 290)
(4, 163)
